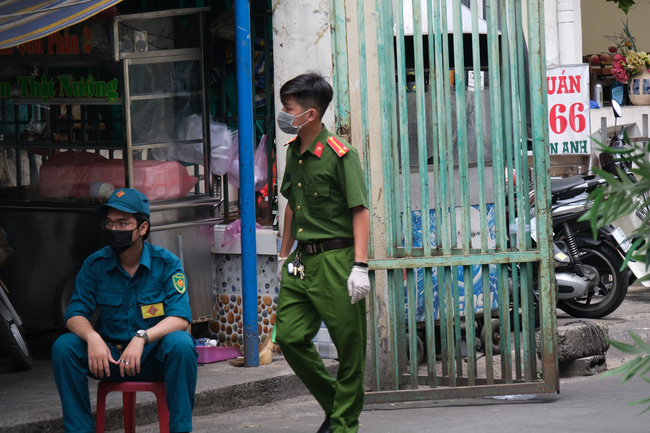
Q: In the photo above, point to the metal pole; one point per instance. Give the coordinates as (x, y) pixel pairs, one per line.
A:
(246, 180)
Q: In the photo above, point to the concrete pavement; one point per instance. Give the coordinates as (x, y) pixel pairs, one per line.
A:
(271, 399)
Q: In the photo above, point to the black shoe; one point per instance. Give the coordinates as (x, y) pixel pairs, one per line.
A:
(326, 427)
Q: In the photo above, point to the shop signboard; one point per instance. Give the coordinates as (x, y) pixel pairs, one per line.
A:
(568, 109)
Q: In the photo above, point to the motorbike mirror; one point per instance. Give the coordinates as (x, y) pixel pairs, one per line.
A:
(618, 111)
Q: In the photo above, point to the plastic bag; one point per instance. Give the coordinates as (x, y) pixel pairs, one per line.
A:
(232, 232)
(190, 127)
(222, 140)
(261, 169)
(260, 161)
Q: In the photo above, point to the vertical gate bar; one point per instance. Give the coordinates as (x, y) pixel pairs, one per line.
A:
(508, 141)
(519, 123)
(463, 165)
(498, 165)
(541, 160)
(480, 154)
(439, 160)
(504, 324)
(365, 140)
(420, 104)
(457, 322)
(388, 128)
(461, 126)
(429, 320)
(470, 332)
(393, 312)
(407, 217)
(444, 234)
(435, 123)
(375, 382)
(386, 71)
(400, 324)
(423, 167)
(411, 293)
(365, 128)
(449, 324)
(527, 298)
(449, 222)
(478, 121)
(487, 316)
(440, 168)
(341, 70)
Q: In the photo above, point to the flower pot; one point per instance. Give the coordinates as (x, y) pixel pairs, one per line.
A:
(639, 88)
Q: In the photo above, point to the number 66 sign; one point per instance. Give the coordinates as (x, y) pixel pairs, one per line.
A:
(568, 109)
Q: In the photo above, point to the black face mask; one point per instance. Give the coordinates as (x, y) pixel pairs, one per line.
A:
(120, 240)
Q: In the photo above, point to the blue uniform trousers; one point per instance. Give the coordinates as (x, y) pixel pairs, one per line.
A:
(172, 359)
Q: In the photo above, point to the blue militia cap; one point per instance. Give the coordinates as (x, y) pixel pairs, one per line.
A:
(127, 200)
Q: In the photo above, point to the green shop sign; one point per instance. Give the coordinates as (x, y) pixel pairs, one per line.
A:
(62, 87)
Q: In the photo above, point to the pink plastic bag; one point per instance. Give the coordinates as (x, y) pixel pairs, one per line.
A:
(232, 232)
(260, 161)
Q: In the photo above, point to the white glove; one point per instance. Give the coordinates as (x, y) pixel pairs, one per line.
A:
(278, 271)
(358, 283)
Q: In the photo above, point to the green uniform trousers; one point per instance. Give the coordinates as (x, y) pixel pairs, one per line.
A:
(323, 297)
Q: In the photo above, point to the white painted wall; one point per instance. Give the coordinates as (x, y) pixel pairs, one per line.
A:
(302, 43)
(563, 22)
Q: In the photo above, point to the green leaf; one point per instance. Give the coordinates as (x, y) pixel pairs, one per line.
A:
(624, 347)
(642, 344)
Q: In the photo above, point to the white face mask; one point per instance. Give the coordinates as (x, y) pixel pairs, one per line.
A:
(285, 122)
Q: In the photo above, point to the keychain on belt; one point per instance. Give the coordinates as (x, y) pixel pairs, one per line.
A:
(297, 268)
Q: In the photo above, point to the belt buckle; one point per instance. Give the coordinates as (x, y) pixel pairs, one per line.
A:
(311, 248)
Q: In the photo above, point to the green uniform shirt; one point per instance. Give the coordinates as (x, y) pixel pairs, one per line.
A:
(322, 185)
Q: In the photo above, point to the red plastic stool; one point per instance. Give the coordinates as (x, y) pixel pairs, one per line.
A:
(128, 390)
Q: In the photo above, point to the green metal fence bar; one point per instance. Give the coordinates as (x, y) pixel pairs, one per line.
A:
(456, 260)
(411, 294)
(421, 115)
(341, 71)
(541, 158)
(429, 317)
(404, 180)
(478, 121)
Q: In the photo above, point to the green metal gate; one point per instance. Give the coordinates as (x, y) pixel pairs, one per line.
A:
(447, 99)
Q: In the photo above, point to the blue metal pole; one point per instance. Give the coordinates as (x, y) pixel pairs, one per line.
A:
(247, 179)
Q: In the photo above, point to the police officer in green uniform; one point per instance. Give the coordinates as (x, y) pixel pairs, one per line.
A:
(140, 292)
(325, 279)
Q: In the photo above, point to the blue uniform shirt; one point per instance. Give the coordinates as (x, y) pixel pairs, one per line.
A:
(157, 290)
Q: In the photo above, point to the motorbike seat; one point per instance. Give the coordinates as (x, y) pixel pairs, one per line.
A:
(561, 185)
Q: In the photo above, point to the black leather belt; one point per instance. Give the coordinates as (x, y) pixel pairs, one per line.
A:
(328, 245)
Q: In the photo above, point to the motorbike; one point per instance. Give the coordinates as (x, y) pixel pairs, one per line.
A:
(11, 338)
(591, 282)
(628, 224)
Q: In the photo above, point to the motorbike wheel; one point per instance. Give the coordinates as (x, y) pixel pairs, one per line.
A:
(11, 339)
(610, 292)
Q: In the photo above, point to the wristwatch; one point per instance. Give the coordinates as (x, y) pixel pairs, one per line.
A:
(142, 333)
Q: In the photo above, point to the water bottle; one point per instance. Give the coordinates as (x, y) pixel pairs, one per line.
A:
(208, 342)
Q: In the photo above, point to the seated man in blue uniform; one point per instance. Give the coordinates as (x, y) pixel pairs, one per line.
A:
(140, 292)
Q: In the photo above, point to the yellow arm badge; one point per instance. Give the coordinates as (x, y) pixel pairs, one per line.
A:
(179, 282)
(153, 310)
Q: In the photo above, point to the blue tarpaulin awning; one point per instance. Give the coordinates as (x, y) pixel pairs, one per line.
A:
(25, 20)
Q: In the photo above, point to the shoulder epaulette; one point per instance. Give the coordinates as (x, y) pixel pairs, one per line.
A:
(337, 145)
(288, 142)
(318, 150)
